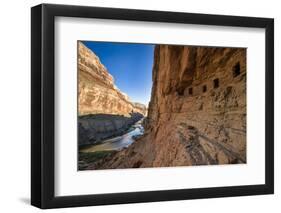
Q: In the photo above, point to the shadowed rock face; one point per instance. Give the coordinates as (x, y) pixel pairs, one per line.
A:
(197, 112)
(97, 93)
(98, 127)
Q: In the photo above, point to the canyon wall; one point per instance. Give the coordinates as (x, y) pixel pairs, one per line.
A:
(197, 112)
(98, 127)
(104, 111)
(97, 92)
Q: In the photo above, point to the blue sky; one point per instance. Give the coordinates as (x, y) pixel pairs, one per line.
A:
(129, 64)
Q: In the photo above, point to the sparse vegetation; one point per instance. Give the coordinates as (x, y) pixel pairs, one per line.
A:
(86, 158)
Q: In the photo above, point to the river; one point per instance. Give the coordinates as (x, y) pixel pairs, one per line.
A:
(120, 142)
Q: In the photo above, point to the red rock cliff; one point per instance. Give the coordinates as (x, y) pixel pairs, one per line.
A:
(197, 112)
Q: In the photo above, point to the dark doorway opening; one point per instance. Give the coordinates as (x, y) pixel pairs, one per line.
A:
(190, 91)
(236, 69)
(216, 83)
(204, 89)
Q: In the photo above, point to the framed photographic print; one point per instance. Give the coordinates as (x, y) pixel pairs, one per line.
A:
(139, 106)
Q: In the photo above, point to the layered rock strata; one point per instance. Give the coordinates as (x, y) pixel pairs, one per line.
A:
(197, 112)
(95, 128)
(97, 92)
(104, 111)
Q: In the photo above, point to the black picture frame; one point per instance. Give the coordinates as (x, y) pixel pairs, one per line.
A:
(43, 102)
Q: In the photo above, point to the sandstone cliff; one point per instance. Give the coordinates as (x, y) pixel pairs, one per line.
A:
(97, 91)
(104, 111)
(197, 112)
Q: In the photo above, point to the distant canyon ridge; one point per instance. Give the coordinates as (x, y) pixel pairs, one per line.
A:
(97, 91)
(104, 111)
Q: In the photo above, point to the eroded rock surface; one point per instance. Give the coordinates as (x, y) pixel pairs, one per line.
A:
(104, 111)
(97, 91)
(197, 112)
